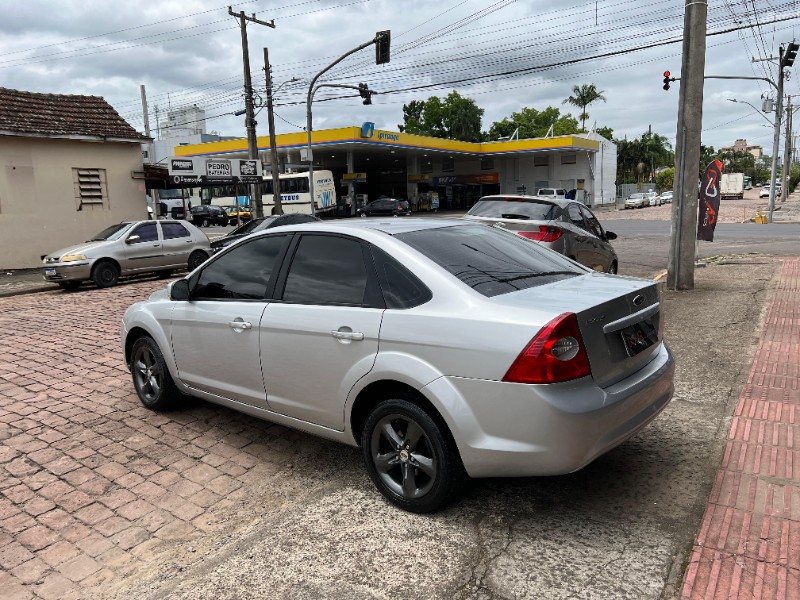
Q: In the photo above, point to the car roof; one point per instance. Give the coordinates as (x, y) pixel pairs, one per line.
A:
(391, 226)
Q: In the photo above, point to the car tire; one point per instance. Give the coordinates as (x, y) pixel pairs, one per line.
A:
(363, 215)
(151, 377)
(196, 258)
(612, 268)
(105, 274)
(419, 471)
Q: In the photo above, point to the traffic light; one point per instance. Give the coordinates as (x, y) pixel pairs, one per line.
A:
(789, 55)
(365, 92)
(382, 41)
(666, 80)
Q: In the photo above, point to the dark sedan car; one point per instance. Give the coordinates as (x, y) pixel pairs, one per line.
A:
(259, 225)
(209, 214)
(386, 206)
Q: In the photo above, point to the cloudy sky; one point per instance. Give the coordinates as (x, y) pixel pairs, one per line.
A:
(504, 54)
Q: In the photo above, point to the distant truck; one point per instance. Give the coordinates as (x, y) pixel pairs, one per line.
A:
(731, 185)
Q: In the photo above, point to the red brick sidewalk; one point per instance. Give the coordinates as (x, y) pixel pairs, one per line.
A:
(748, 545)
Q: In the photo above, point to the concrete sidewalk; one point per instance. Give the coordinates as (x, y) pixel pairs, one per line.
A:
(748, 545)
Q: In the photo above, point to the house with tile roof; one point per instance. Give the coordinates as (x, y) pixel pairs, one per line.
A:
(70, 166)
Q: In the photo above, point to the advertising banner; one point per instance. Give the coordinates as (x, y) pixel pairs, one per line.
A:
(708, 202)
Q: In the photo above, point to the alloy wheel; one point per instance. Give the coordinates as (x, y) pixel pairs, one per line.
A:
(147, 374)
(403, 456)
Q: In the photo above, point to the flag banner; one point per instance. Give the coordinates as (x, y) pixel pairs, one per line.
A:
(708, 204)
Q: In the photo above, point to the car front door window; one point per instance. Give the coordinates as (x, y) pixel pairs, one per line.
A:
(215, 334)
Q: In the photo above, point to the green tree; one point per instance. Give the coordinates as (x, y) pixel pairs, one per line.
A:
(456, 117)
(583, 96)
(533, 123)
(639, 159)
(606, 132)
(664, 179)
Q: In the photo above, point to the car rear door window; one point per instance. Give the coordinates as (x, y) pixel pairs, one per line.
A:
(242, 273)
(326, 270)
(489, 260)
(174, 231)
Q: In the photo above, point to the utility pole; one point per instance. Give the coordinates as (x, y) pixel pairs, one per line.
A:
(273, 148)
(776, 138)
(680, 271)
(150, 145)
(250, 120)
(787, 152)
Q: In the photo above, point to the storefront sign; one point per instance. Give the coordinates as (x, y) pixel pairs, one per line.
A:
(216, 168)
(196, 170)
(424, 178)
(354, 177)
(581, 183)
(467, 179)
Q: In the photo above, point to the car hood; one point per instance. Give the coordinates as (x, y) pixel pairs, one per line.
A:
(87, 248)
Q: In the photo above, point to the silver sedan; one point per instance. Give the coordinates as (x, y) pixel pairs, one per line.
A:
(128, 248)
(444, 349)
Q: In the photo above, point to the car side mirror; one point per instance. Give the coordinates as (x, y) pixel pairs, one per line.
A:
(610, 235)
(133, 239)
(179, 290)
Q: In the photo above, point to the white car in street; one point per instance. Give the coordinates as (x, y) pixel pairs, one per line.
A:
(637, 200)
(666, 197)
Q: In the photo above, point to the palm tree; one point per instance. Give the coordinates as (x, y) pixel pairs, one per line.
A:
(582, 97)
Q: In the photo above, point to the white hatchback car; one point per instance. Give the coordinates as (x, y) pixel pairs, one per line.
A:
(443, 349)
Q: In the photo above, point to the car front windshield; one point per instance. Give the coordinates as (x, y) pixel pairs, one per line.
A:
(111, 233)
(635, 196)
(510, 208)
(489, 260)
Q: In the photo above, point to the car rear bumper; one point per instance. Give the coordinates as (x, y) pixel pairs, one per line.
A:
(518, 430)
(68, 272)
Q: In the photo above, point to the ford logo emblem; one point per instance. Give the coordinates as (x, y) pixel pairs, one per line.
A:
(637, 300)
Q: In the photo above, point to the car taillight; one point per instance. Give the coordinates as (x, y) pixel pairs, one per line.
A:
(546, 233)
(555, 354)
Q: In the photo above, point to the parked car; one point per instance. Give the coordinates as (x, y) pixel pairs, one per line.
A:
(652, 199)
(666, 197)
(386, 206)
(764, 193)
(637, 200)
(566, 226)
(128, 248)
(209, 214)
(551, 192)
(404, 338)
(259, 225)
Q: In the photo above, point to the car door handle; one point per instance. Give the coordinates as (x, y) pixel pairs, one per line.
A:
(240, 324)
(348, 335)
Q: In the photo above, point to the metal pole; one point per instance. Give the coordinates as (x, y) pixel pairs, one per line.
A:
(787, 152)
(250, 119)
(273, 147)
(150, 145)
(309, 100)
(776, 138)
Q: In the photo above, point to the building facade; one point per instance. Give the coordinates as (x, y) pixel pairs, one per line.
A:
(70, 166)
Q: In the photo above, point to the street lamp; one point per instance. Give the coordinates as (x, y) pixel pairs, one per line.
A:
(753, 107)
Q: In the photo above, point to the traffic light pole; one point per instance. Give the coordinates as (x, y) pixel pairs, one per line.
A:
(776, 138)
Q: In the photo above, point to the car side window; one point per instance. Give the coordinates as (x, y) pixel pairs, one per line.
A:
(594, 224)
(327, 270)
(575, 216)
(147, 232)
(400, 287)
(174, 231)
(243, 273)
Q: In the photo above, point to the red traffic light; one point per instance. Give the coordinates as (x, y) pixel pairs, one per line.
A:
(666, 73)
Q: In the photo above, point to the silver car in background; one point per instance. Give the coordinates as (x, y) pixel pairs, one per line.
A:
(128, 248)
(444, 349)
(566, 226)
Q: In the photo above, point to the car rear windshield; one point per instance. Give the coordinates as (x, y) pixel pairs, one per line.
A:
(510, 208)
(489, 260)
